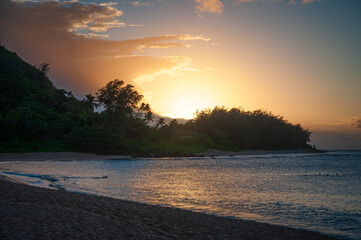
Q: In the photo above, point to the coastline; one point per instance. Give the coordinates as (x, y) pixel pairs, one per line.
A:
(215, 152)
(58, 156)
(37, 213)
(77, 156)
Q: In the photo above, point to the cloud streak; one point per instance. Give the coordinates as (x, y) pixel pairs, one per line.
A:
(337, 135)
(216, 6)
(289, 2)
(71, 36)
(355, 122)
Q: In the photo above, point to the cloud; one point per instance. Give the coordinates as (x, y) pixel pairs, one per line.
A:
(309, 1)
(236, 2)
(78, 17)
(289, 2)
(209, 6)
(181, 64)
(141, 4)
(145, 3)
(336, 135)
(71, 36)
(302, 2)
(355, 121)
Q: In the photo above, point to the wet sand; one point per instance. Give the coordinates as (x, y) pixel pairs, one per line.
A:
(28, 212)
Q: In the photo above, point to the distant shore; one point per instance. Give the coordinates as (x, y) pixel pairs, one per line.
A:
(256, 152)
(37, 213)
(75, 156)
(58, 156)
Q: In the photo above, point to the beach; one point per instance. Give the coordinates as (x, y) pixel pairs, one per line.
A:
(29, 212)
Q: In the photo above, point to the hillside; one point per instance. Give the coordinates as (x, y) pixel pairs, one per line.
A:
(36, 116)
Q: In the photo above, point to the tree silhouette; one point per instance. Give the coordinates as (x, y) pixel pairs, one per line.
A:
(147, 113)
(149, 116)
(44, 69)
(160, 123)
(118, 99)
(90, 102)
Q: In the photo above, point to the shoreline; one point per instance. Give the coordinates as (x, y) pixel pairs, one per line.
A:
(215, 152)
(77, 156)
(30, 212)
(59, 156)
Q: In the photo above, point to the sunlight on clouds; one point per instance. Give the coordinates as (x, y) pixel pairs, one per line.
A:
(186, 37)
(66, 35)
(180, 65)
(138, 4)
(309, 1)
(236, 2)
(210, 6)
(92, 35)
(80, 17)
(144, 3)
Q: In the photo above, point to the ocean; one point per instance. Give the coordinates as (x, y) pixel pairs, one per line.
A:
(318, 192)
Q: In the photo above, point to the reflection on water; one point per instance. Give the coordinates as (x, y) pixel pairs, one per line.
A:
(319, 192)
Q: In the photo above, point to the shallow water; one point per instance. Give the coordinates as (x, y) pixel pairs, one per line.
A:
(319, 192)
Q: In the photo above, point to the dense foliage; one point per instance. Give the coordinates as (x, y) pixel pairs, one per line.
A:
(36, 116)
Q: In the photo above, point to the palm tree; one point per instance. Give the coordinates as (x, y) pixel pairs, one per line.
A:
(160, 122)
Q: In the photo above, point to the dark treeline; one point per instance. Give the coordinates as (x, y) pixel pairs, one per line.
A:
(36, 116)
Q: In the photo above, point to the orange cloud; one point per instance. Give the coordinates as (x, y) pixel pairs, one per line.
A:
(210, 6)
(66, 34)
(309, 1)
(236, 2)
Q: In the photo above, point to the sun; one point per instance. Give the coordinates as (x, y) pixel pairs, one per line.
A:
(186, 106)
(185, 102)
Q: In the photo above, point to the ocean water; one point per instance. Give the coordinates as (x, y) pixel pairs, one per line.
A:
(318, 192)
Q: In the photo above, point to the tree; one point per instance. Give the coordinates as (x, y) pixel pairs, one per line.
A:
(149, 117)
(44, 68)
(90, 102)
(118, 99)
(160, 123)
(147, 113)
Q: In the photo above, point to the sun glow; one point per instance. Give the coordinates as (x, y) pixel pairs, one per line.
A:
(186, 106)
(185, 102)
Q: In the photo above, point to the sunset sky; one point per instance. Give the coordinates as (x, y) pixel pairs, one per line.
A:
(300, 59)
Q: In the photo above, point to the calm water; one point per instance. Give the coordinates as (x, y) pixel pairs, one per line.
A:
(319, 192)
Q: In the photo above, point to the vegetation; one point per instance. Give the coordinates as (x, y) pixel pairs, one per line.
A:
(36, 116)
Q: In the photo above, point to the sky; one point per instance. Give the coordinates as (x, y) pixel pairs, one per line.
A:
(300, 59)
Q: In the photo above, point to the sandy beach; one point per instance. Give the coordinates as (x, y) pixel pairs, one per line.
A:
(29, 212)
(37, 213)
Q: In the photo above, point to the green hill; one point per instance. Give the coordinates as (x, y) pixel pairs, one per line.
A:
(36, 116)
